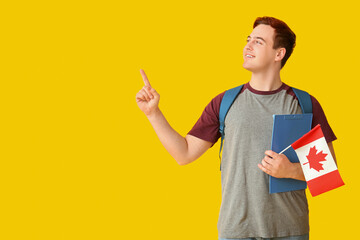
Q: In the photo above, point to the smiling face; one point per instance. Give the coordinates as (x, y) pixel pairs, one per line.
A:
(258, 53)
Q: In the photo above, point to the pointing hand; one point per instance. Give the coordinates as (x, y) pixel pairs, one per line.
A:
(147, 98)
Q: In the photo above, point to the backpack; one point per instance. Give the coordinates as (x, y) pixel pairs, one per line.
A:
(230, 96)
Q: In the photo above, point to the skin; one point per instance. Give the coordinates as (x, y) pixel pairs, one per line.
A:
(183, 149)
(265, 66)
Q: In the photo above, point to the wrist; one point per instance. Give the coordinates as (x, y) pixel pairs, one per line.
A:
(153, 114)
(297, 172)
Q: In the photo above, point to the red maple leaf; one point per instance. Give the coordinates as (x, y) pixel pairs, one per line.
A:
(315, 159)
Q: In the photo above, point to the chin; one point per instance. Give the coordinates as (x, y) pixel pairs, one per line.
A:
(247, 67)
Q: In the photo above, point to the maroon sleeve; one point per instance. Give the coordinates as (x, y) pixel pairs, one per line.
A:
(207, 127)
(320, 118)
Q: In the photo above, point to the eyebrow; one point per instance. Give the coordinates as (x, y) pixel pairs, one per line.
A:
(257, 38)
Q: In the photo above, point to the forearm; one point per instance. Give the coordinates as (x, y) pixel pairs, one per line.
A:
(296, 172)
(183, 149)
(173, 142)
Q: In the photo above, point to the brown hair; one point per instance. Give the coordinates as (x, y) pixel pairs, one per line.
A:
(284, 36)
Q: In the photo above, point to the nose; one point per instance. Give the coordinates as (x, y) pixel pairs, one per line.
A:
(248, 46)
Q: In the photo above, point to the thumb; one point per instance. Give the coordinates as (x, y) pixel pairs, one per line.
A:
(154, 92)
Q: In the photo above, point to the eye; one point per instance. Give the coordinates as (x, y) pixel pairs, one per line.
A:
(258, 42)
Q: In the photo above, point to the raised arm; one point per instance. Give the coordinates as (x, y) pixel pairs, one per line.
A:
(183, 149)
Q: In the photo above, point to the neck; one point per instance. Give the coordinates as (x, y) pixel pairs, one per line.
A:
(265, 81)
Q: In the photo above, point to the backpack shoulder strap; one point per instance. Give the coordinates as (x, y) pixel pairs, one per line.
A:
(226, 102)
(304, 100)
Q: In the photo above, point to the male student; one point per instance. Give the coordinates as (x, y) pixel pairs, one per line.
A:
(247, 210)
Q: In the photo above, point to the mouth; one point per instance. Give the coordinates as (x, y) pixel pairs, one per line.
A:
(249, 56)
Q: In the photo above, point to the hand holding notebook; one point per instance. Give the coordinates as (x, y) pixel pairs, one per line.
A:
(286, 130)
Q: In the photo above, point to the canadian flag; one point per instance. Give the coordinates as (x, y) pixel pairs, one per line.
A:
(317, 163)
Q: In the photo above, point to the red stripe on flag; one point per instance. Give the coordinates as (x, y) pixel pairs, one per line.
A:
(312, 135)
(325, 183)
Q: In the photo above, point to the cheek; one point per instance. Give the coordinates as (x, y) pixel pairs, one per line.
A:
(244, 50)
(266, 56)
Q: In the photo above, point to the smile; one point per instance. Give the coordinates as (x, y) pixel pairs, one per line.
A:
(249, 56)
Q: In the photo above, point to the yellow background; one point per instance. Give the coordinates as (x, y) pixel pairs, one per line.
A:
(79, 160)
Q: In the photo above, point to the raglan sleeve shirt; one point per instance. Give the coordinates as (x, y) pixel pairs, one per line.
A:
(250, 215)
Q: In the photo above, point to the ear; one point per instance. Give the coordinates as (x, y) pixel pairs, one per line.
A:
(280, 54)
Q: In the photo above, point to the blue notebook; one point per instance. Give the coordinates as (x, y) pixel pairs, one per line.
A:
(286, 130)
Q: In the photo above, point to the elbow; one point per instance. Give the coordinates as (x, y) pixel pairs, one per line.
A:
(184, 161)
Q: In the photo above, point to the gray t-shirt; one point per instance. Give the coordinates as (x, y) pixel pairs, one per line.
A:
(247, 208)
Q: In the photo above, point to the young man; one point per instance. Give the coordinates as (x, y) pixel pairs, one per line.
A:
(247, 210)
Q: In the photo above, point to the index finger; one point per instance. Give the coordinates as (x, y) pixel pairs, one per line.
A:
(146, 81)
(271, 154)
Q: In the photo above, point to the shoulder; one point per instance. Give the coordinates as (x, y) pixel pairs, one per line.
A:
(218, 98)
(319, 116)
(315, 103)
(213, 108)
(232, 93)
(290, 91)
(207, 126)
